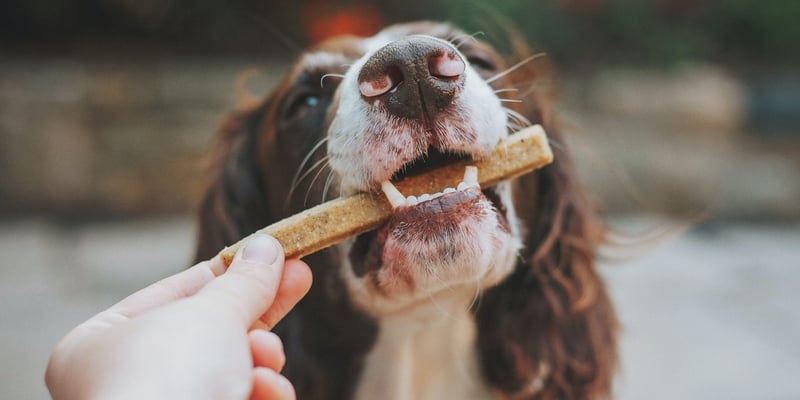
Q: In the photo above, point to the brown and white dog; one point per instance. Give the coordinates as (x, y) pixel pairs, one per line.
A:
(468, 294)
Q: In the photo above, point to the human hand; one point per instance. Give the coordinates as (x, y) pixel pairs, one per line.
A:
(199, 334)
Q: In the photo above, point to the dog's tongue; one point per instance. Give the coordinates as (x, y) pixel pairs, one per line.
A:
(432, 202)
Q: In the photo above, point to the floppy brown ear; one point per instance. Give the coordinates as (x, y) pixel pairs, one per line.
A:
(241, 199)
(548, 331)
(235, 203)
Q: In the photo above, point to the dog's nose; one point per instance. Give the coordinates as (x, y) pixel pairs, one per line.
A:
(415, 78)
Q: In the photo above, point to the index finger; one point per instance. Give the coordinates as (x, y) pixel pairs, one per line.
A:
(167, 290)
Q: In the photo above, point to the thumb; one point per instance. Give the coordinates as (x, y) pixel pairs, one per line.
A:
(248, 288)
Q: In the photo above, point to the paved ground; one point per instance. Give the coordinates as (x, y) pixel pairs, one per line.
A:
(710, 315)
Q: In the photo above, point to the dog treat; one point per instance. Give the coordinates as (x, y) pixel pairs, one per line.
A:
(334, 221)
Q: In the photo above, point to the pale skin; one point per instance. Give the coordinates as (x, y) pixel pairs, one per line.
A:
(200, 334)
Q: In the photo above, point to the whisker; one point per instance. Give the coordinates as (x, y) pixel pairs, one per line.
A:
(328, 182)
(516, 115)
(476, 297)
(514, 120)
(452, 38)
(311, 152)
(510, 100)
(322, 79)
(514, 67)
(554, 144)
(467, 37)
(307, 173)
(310, 186)
(514, 128)
(315, 166)
(506, 90)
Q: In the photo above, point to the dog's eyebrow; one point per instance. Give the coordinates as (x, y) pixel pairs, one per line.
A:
(323, 59)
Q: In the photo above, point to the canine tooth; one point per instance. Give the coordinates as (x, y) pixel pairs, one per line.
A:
(424, 197)
(462, 186)
(411, 200)
(396, 199)
(471, 175)
(449, 190)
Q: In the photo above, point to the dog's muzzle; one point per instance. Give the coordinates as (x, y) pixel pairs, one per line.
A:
(415, 78)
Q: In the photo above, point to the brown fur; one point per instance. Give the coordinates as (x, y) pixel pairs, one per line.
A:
(551, 319)
(553, 312)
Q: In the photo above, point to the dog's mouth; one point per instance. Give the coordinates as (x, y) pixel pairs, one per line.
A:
(458, 237)
(429, 220)
(431, 159)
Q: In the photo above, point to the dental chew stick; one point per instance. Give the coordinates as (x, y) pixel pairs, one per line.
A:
(334, 221)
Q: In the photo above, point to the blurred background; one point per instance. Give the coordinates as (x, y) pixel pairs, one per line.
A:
(681, 113)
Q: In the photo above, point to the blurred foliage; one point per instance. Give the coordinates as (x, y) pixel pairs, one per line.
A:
(649, 31)
(579, 32)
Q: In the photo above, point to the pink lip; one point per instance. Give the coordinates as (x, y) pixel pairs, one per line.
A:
(427, 220)
(440, 210)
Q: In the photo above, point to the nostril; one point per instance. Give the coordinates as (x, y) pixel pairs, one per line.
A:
(381, 84)
(375, 87)
(414, 78)
(446, 65)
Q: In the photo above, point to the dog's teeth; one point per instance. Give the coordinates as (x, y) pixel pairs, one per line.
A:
(396, 199)
(471, 176)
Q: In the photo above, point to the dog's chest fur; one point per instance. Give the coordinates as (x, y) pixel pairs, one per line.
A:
(425, 353)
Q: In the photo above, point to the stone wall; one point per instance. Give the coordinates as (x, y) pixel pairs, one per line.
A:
(100, 137)
(111, 137)
(684, 142)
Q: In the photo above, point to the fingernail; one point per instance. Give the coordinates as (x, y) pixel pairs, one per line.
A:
(262, 249)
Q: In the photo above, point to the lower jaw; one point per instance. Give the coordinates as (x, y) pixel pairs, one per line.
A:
(427, 283)
(367, 251)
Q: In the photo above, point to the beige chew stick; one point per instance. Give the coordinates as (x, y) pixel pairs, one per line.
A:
(334, 221)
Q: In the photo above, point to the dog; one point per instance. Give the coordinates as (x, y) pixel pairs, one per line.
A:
(476, 293)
